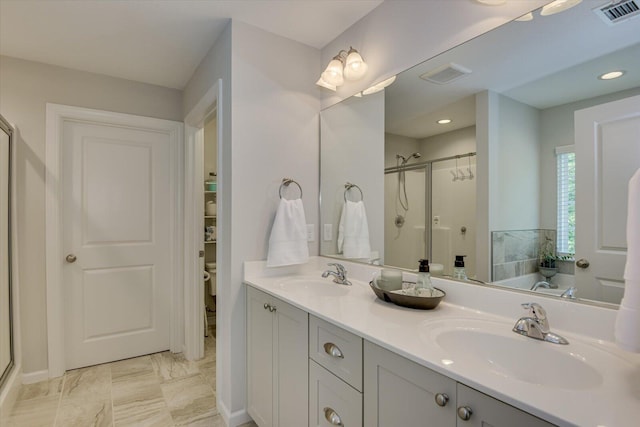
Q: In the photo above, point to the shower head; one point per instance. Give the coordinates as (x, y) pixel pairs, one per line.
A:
(405, 160)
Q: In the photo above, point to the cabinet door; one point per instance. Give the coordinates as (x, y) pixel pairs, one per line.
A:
(260, 350)
(399, 392)
(292, 361)
(332, 402)
(489, 412)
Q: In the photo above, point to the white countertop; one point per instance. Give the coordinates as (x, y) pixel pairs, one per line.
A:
(615, 402)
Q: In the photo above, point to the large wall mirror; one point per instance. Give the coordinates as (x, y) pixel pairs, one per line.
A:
(6, 328)
(512, 150)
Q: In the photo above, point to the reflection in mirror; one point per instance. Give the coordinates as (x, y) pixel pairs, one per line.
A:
(6, 342)
(544, 151)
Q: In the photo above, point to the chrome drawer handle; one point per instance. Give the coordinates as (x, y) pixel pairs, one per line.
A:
(333, 417)
(266, 306)
(442, 399)
(332, 350)
(464, 413)
(272, 308)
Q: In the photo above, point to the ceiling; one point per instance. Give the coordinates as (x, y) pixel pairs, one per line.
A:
(546, 62)
(159, 42)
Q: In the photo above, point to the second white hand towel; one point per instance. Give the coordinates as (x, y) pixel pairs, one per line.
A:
(627, 328)
(353, 231)
(288, 241)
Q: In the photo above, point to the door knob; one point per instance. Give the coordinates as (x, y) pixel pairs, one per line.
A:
(582, 263)
(71, 258)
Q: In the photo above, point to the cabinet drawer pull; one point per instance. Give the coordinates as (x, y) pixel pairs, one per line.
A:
(332, 350)
(442, 399)
(266, 306)
(464, 413)
(333, 417)
(272, 308)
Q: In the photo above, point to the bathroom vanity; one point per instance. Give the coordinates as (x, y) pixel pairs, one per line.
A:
(328, 354)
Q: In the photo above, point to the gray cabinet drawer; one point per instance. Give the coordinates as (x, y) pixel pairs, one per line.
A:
(332, 402)
(337, 350)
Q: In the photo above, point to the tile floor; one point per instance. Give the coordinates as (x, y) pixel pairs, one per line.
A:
(158, 390)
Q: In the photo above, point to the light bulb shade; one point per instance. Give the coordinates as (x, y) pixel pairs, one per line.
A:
(325, 85)
(525, 18)
(354, 67)
(333, 73)
(558, 6)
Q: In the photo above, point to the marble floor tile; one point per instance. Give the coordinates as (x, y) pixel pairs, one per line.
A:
(158, 390)
(41, 389)
(85, 413)
(94, 380)
(169, 366)
(36, 412)
(189, 399)
(209, 376)
(130, 369)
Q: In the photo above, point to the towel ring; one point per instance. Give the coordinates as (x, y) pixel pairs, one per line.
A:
(348, 186)
(286, 182)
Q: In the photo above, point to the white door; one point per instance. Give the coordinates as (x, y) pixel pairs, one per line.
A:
(607, 141)
(116, 238)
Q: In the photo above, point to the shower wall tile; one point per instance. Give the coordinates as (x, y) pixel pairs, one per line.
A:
(515, 252)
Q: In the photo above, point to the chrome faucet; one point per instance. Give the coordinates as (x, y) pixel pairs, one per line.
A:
(339, 276)
(536, 325)
(570, 293)
(543, 284)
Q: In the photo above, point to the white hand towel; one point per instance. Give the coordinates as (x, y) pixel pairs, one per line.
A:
(288, 241)
(627, 329)
(353, 231)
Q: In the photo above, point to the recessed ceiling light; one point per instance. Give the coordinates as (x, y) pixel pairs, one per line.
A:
(444, 121)
(611, 75)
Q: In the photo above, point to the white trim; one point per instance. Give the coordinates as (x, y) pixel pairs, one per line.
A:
(563, 149)
(56, 114)
(35, 377)
(237, 418)
(193, 293)
(9, 393)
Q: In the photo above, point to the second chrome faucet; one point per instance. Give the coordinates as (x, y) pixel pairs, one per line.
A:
(339, 276)
(536, 325)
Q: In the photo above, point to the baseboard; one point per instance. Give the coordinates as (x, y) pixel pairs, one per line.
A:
(9, 394)
(35, 377)
(235, 419)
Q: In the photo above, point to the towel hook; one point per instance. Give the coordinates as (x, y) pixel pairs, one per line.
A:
(286, 182)
(348, 186)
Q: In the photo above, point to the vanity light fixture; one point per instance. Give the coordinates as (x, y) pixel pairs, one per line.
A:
(558, 6)
(444, 121)
(611, 75)
(345, 65)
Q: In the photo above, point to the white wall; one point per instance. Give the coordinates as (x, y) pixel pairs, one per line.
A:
(25, 88)
(399, 34)
(460, 141)
(353, 134)
(518, 167)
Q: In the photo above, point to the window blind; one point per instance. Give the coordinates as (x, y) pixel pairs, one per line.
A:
(566, 174)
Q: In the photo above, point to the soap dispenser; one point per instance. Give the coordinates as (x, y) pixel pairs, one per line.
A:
(424, 287)
(458, 268)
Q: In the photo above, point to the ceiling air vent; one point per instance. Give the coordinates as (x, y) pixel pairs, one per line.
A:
(618, 11)
(445, 74)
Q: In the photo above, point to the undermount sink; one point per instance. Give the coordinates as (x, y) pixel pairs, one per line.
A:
(314, 285)
(492, 346)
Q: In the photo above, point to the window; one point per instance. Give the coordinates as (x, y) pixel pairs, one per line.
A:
(566, 169)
